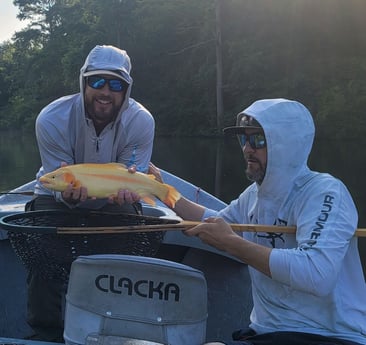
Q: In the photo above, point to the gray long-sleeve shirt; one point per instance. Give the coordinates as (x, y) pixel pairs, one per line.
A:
(66, 134)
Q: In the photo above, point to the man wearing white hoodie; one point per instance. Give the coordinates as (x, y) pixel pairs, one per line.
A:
(100, 124)
(308, 288)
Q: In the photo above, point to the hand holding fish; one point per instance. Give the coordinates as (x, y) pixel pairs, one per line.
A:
(110, 180)
(125, 195)
(184, 207)
(154, 170)
(73, 195)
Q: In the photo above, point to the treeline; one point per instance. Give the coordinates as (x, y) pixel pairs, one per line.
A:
(309, 50)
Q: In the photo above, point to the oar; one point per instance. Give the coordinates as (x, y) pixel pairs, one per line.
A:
(26, 192)
(184, 225)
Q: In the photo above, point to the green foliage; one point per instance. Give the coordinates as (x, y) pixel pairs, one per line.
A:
(309, 50)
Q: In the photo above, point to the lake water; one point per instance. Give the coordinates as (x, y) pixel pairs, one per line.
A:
(212, 164)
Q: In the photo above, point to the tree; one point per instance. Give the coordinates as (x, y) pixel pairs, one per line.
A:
(308, 50)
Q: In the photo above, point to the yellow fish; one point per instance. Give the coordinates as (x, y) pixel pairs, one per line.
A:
(105, 180)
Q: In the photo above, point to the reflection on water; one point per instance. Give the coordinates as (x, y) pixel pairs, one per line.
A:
(19, 159)
(212, 164)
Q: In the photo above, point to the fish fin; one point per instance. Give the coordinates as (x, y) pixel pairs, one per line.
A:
(149, 200)
(172, 196)
(151, 176)
(69, 177)
(77, 184)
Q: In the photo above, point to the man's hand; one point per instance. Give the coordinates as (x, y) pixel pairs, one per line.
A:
(74, 195)
(155, 171)
(217, 233)
(214, 231)
(124, 195)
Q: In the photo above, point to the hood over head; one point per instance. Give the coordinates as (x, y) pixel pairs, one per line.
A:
(109, 60)
(289, 130)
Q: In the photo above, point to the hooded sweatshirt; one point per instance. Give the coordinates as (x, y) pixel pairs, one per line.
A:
(66, 134)
(317, 283)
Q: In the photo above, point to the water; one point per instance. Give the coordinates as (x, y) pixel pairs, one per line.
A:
(212, 164)
(19, 159)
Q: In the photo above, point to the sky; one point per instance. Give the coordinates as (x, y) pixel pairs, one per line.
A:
(8, 20)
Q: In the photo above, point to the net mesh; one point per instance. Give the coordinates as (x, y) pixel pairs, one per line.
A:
(51, 254)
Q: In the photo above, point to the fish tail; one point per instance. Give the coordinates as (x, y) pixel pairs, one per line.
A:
(171, 197)
(149, 200)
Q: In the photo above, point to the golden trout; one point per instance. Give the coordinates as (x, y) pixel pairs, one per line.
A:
(105, 180)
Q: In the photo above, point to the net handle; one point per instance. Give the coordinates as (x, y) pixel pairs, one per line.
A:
(166, 225)
(9, 222)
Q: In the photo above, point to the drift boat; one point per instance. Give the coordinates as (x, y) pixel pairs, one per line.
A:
(225, 295)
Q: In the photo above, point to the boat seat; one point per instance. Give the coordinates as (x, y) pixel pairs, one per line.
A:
(124, 299)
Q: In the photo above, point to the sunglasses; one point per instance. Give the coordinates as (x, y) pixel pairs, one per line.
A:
(256, 140)
(98, 82)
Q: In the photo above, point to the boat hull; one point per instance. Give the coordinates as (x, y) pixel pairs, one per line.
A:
(228, 281)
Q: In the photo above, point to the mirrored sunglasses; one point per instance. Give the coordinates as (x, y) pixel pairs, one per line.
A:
(98, 82)
(256, 140)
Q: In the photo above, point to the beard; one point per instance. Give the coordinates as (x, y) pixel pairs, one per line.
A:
(102, 114)
(102, 110)
(255, 176)
(257, 173)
